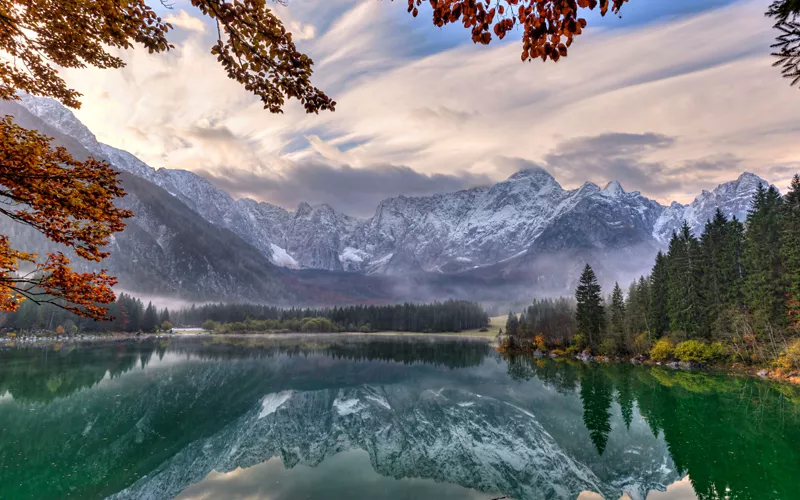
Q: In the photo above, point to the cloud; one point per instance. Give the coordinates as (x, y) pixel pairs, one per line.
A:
(701, 82)
(354, 191)
(619, 156)
(183, 20)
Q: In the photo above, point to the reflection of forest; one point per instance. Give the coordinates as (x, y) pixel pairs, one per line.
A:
(736, 437)
(41, 374)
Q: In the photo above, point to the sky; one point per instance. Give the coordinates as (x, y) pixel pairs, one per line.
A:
(674, 97)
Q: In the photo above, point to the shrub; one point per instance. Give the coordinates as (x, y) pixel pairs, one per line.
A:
(608, 347)
(790, 357)
(572, 350)
(580, 341)
(484, 329)
(663, 350)
(699, 352)
(558, 352)
(692, 350)
(210, 325)
(642, 344)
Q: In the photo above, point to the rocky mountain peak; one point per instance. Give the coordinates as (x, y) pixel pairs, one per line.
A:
(536, 176)
(614, 188)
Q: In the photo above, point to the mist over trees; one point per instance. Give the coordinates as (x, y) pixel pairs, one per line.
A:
(132, 315)
(731, 292)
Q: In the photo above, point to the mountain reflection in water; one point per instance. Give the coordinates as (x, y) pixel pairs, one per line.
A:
(328, 417)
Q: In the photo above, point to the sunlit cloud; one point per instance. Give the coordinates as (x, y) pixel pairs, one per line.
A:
(701, 80)
(183, 20)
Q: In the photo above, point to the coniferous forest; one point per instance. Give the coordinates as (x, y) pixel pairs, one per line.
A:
(730, 294)
(132, 315)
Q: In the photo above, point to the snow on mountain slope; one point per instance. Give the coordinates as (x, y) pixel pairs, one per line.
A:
(448, 435)
(733, 198)
(529, 213)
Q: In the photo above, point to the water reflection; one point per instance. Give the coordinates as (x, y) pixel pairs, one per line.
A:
(397, 418)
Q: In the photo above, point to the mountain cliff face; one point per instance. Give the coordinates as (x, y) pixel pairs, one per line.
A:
(169, 248)
(513, 227)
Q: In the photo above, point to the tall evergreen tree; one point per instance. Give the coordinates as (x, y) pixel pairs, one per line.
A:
(616, 326)
(764, 287)
(734, 259)
(589, 311)
(512, 325)
(150, 318)
(685, 303)
(790, 242)
(717, 275)
(658, 318)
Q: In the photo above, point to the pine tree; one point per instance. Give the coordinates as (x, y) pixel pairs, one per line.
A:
(659, 293)
(685, 305)
(764, 287)
(589, 311)
(716, 276)
(522, 326)
(150, 318)
(790, 243)
(512, 324)
(734, 260)
(616, 327)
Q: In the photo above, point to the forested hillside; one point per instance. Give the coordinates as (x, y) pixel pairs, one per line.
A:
(733, 293)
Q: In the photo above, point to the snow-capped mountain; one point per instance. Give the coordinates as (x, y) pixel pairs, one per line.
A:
(732, 198)
(521, 219)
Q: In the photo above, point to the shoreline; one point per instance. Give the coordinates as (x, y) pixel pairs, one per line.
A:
(36, 340)
(761, 372)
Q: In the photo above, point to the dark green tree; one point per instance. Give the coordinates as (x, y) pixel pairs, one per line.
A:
(616, 325)
(150, 318)
(685, 304)
(765, 291)
(589, 312)
(658, 318)
(716, 276)
(512, 325)
(790, 243)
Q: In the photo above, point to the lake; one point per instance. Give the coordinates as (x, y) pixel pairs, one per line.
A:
(306, 417)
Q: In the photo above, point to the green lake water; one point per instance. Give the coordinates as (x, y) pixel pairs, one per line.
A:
(396, 418)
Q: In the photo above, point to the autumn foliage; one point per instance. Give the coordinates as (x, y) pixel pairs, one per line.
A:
(70, 202)
(548, 27)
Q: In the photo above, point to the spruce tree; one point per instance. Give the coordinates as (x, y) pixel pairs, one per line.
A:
(734, 260)
(659, 293)
(764, 288)
(589, 312)
(685, 305)
(616, 325)
(512, 325)
(150, 318)
(716, 278)
(790, 243)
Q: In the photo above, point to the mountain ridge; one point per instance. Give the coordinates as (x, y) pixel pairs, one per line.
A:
(512, 228)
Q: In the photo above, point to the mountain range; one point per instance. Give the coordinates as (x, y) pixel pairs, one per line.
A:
(524, 235)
